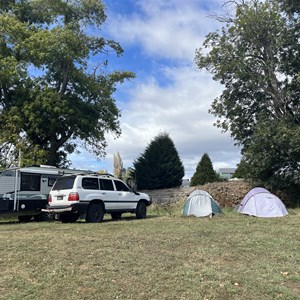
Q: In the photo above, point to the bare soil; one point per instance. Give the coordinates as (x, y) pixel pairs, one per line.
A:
(227, 193)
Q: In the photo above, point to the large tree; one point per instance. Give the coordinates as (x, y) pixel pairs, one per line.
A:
(55, 90)
(159, 166)
(255, 56)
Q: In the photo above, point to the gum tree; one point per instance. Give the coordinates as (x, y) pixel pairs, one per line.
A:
(55, 90)
(255, 56)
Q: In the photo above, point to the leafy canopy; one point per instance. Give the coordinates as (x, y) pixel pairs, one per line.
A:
(255, 56)
(55, 91)
(159, 166)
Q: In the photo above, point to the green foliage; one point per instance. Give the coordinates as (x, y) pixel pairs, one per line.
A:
(66, 102)
(7, 156)
(241, 170)
(273, 156)
(256, 57)
(159, 166)
(204, 172)
(290, 6)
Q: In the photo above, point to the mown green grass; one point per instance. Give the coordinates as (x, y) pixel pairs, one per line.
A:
(165, 256)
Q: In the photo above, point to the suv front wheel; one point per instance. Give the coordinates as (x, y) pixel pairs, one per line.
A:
(141, 210)
(94, 213)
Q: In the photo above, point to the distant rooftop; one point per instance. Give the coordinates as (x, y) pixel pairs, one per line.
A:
(226, 173)
(227, 170)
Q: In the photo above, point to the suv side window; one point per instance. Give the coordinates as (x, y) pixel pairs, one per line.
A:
(120, 186)
(106, 184)
(90, 183)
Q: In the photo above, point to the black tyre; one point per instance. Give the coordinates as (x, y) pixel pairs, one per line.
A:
(94, 213)
(69, 218)
(116, 215)
(141, 210)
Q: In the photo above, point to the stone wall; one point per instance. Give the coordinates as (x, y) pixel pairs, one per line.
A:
(228, 194)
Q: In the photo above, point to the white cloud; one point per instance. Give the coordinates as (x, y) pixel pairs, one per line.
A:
(168, 29)
(181, 109)
(174, 97)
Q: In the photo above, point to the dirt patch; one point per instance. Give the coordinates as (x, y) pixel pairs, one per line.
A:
(229, 193)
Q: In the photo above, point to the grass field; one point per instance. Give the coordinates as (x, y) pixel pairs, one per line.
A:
(165, 256)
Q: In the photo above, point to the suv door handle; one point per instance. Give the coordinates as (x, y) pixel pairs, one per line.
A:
(103, 193)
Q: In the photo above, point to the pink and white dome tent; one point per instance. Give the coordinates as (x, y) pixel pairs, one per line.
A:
(259, 202)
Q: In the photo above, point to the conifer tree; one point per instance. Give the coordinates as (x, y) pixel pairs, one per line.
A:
(159, 166)
(204, 172)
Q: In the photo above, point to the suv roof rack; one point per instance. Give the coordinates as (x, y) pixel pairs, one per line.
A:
(91, 174)
(97, 174)
(106, 174)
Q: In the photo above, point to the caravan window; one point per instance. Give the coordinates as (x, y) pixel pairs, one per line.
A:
(30, 182)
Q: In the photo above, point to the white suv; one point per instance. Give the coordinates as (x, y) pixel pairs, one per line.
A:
(92, 195)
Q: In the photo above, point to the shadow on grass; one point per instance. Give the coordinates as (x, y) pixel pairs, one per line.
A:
(130, 218)
(10, 221)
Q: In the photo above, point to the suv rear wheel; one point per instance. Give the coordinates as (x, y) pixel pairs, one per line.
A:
(141, 210)
(94, 213)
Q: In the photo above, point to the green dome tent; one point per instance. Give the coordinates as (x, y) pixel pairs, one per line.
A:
(200, 204)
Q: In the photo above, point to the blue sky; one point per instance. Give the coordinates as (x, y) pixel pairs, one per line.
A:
(169, 94)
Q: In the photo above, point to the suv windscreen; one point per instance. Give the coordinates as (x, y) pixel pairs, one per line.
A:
(64, 183)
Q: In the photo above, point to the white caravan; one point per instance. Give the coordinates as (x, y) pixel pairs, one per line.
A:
(24, 191)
